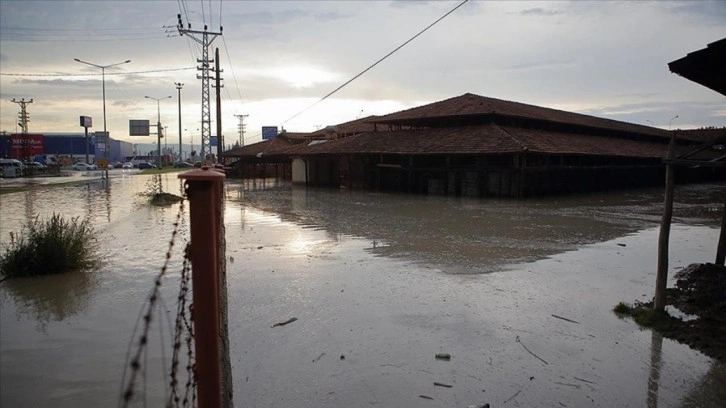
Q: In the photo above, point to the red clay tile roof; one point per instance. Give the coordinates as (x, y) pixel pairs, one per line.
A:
(273, 147)
(471, 104)
(352, 127)
(486, 139)
(702, 135)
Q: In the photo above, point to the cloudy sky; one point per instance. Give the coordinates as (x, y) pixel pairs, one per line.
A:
(602, 58)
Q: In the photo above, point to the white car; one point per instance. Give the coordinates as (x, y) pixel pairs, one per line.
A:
(84, 166)
(127, 165)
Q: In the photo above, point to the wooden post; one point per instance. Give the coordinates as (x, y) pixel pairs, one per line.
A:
(721, 249)
(661, 279)
(205, 208)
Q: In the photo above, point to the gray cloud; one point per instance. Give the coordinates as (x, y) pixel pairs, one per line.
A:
(410, 3)
(531, 66)
(712, 11)
(538, 11)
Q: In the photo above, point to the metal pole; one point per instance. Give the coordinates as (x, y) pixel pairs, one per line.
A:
(179, 88)
(158, 134)
(204, 187)
(103, 82)
(85, 127)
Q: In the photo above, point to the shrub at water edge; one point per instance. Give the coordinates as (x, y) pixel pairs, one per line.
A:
(53, 246)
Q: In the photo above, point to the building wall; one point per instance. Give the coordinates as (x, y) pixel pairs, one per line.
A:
(299, 175)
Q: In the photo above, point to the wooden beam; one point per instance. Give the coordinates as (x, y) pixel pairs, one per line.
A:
(701, 163)
(661, 280)
(721, 249)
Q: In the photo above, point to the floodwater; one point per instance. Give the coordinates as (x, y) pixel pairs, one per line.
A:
(379, 283)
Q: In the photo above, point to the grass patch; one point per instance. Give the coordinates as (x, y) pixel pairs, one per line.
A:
(623, 308)
(155, 195)
(162, 170)
(36, 186)
(50, 247)
(644, 315)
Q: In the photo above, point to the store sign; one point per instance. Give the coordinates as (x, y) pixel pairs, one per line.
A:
(26, 145)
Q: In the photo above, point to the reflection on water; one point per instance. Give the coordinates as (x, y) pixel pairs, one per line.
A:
(308, 254)
(471, 235)
(656, 354)
(50, 298)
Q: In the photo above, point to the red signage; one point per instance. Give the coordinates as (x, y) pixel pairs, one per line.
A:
(25, 146)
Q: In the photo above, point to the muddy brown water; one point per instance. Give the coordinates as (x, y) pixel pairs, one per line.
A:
(379, 284)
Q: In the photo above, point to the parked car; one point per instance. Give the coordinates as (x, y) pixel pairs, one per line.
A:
(35, 165)
(183, 165)
(117, 165)
(143, 166)
(84, 167)
(198, 164)
(127, 165)
(11, 167)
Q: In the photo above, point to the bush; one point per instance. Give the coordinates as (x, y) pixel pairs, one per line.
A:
(50, 247)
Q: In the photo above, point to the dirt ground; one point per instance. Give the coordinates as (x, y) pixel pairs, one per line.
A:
(701, 290)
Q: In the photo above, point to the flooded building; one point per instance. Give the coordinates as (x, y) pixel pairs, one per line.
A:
(56, 147)
(477, 146)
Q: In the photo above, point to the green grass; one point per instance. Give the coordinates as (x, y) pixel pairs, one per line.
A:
(50, 247)
(644, 315)
(33, 186)
(162, 170)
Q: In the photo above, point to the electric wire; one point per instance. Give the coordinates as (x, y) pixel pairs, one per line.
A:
(375, 63)
(231, 67)
(94, 74)
(204, 19)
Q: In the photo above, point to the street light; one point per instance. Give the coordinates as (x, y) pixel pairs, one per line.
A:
(651, 122)
(178, 89)
(669, 122)
(103, 81)
(191, 142)
(158, 126)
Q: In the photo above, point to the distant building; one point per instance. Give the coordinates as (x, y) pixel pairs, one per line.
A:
(472, 145)
(50, 146)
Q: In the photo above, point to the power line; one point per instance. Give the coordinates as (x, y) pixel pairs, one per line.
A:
(204, 19)
(231, 67)
(107, 73)
(376, 63)
(25, 38)
(80, 30)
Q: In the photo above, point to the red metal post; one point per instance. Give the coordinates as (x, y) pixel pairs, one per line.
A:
(204, 207)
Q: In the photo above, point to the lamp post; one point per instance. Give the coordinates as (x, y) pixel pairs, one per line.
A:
(103, 82)
(158, 126)
(191, 142)
(669, 122)
(179, 86)
(651, 122)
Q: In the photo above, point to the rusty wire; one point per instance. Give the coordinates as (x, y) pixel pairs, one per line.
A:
(142, 344)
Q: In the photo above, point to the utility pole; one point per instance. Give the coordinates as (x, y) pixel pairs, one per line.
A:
(158, 127)
(179, 86)
(24, 118)
(218, 85)
(241, 128)
(206, 40)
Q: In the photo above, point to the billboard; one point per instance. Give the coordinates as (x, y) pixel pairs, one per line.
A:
(86, 121)
(23, 146)
(213, 141)
(269, 132)
(138, 127)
